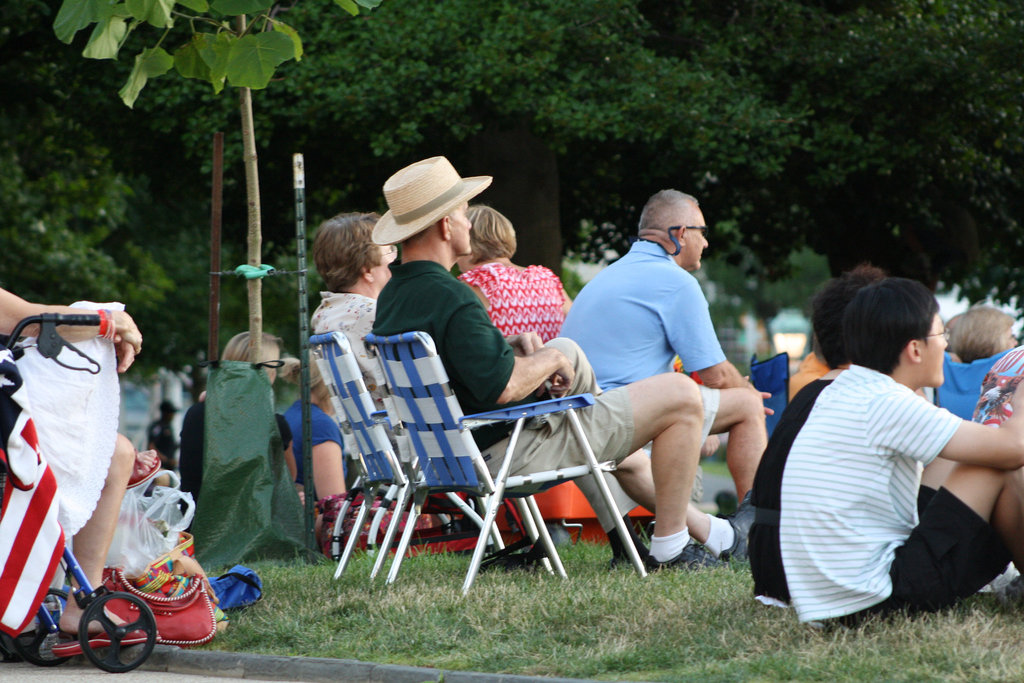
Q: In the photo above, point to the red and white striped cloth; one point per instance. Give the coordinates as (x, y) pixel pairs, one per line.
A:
(31, 539)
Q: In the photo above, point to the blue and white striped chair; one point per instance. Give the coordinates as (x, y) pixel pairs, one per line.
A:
(449, 459)
(379, 469)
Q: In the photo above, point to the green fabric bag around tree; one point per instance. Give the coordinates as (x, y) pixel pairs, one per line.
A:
(248, 508)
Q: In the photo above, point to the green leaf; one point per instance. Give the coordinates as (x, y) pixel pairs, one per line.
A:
(369, 4)
(253, 59)
(195, 5)
(348, 5)
(189, 63)
(74, 15)
(106, 38)
(293, 34)
(215, 51)
(154, 12)
(233, 7)
(149, 63)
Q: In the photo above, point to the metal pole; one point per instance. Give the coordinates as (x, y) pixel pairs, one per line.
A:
(216, 204)
(299, 174)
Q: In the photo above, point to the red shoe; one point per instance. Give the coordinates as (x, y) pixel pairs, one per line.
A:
(142, 474)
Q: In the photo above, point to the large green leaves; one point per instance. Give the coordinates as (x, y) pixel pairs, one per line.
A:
(253, 58)
(106, 38)
(150, 63)
(74, 15)
(155, 12)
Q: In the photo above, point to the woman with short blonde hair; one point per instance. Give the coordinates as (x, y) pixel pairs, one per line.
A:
(517, 299)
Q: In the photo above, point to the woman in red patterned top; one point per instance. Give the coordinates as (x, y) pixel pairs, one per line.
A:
(517, 299)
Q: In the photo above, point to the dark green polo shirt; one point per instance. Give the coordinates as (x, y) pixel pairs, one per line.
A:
(423, 296)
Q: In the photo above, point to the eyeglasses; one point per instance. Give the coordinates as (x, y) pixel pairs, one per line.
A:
(391, 254)
(944, 334)
(703, 229)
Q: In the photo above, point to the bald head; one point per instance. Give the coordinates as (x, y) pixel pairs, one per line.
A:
(663, 208)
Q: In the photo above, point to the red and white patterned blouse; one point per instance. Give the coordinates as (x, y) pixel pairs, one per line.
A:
(528, 300)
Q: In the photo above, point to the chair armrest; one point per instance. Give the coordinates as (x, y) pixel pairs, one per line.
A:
(528, 410)
(381, 417)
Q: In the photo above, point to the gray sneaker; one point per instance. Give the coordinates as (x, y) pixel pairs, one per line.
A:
(692, 556)
(741, 521)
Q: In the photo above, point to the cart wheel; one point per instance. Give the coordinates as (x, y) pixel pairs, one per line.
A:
(120, 647)
(35, 646)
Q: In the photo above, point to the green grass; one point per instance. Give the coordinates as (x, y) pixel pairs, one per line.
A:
(606, 624)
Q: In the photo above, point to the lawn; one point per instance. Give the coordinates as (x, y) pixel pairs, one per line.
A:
(606, 624)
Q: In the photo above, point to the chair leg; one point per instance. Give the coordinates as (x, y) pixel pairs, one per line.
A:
(606, 493)
(339, 524)
(552, 562)
(401, 503)
(403, 544)
(369, 494)
(385, 503)
(464, 507)
(493, 503)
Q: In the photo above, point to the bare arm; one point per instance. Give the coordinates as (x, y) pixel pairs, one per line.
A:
(530, 373)
(127, 338)
(724, 375)
(328, 475)
(1001, 447)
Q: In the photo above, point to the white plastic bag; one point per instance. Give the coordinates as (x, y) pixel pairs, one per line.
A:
(148, 526)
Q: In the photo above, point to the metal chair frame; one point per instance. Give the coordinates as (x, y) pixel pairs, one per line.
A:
(379, 470)
(449, 459)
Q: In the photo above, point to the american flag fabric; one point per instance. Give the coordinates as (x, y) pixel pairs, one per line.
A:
(31, 539)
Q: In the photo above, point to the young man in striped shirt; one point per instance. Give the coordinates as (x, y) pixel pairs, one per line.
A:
(858, 532)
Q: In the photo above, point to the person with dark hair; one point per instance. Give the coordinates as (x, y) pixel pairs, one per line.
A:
(827, 308)
(161, 437)
(880, 540)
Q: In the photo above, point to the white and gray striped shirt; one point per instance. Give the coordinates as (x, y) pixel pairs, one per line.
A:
(849, 490)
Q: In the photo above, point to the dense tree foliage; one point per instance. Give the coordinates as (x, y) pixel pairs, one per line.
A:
(885, 130)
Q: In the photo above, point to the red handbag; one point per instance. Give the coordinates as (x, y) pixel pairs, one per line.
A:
(185, 619)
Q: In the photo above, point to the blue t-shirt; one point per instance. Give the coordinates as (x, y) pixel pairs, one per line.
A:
(637, 314)
(322, 428)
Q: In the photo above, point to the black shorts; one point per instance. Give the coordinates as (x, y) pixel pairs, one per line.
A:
(950, 555)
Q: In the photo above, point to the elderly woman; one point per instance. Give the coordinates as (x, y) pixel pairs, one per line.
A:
(355, 270)
(517, 299)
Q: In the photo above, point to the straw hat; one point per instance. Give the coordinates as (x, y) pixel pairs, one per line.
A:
(421, 194)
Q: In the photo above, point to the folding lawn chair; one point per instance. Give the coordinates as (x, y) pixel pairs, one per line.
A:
(772, 376)
(378, 469)
(449, 459)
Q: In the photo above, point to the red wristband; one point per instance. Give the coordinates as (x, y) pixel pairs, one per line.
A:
(106, 324)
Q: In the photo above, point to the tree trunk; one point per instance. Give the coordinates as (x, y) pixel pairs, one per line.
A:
(525, 189)
(255, 236)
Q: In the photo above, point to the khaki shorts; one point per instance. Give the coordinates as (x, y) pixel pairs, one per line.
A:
(712, 398)
(550, 443)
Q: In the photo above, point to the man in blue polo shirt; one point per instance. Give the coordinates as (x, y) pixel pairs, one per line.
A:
(637, 314)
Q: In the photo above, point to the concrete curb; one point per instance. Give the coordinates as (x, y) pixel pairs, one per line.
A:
(316, 669)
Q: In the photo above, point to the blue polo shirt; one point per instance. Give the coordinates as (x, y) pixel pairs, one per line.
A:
(637, 314)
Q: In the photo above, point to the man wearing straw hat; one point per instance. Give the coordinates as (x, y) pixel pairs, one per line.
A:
(427, 216)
